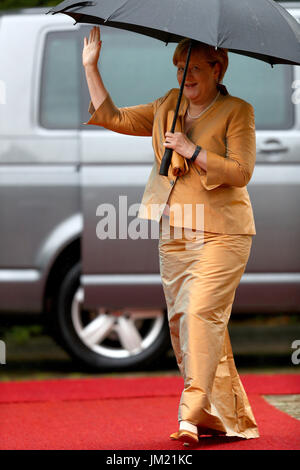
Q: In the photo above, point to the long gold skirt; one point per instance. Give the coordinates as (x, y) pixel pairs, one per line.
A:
(200, 272)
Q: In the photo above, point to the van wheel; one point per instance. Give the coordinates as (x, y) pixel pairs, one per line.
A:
(106, 339)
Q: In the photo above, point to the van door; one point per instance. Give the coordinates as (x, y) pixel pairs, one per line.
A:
(39, 184)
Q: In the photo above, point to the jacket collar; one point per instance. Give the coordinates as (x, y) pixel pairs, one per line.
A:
(183, 105)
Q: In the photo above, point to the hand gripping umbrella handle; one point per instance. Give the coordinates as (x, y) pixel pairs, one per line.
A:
(166, 160)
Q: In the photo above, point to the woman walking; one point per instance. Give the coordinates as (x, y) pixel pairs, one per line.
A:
(213, 160)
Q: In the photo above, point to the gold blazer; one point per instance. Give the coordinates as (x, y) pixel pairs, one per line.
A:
(226, 131)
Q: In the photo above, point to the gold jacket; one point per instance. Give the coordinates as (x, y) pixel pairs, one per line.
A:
(226, 131)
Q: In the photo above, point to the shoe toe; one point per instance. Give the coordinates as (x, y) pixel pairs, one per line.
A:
(188, 437)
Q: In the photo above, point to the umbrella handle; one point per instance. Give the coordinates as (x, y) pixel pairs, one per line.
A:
(166, 160)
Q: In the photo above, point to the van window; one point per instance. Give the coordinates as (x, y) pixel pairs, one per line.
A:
(138, 69)
(60, 84)
(135, 69)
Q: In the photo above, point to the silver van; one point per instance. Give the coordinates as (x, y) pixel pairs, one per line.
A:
(102, 298)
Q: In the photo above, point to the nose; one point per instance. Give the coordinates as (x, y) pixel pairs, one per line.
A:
(189, 73)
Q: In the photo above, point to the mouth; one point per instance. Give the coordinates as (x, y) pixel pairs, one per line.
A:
(190, 85)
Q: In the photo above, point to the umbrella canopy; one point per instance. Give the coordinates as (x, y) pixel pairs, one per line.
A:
(260, 29)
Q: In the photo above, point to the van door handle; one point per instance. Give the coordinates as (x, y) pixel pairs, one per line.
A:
(273, 146)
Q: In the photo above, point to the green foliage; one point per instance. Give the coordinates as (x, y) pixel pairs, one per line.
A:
(15, 4)
(22, 334)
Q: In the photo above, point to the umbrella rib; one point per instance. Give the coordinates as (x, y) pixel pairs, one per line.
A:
(115, 11)
(218, 22)
(288, 17)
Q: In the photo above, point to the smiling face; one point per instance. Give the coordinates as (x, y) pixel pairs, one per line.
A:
(201, 77)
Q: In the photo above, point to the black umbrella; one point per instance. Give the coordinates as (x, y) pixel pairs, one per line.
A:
(261, 29)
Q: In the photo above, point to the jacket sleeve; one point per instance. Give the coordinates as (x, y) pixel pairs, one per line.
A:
(133, 120)
(236, 168)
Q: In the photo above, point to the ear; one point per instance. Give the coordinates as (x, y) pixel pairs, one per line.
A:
(217, 71)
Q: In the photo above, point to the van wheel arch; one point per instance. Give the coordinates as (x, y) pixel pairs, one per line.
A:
(67, 258)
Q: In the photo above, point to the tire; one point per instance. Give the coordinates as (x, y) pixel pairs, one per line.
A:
(106, 340)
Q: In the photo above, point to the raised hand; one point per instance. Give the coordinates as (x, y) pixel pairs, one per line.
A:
(92, 47)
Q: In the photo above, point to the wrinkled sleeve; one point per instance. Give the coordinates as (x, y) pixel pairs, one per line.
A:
(132, 120)
(236, 168)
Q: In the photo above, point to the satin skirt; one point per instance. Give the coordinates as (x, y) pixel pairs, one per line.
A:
(200, 272)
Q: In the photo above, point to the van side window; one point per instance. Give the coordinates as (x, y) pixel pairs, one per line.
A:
(60, 83)
(135, 69)
(268, 89)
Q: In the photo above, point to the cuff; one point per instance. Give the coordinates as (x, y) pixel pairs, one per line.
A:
(91, 108)
(100, 115)
(215, 169)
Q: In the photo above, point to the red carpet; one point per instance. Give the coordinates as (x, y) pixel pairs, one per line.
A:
(125, 413)
(93, 389)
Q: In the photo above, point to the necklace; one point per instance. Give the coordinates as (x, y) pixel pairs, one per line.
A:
(196, 117)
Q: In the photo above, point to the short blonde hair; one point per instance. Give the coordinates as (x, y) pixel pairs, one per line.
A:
(212, 55)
